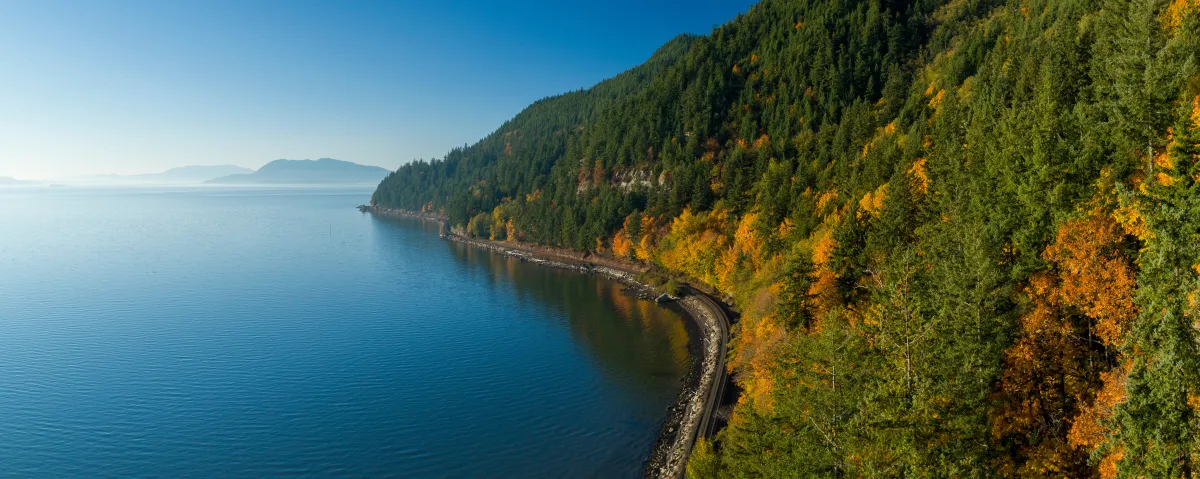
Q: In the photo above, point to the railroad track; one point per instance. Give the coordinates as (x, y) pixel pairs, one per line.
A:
(716, 392)
(708, 422)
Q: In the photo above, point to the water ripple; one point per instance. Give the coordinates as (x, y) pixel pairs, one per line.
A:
(235, 333)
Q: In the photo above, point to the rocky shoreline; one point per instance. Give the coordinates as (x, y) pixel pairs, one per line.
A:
(668, 458)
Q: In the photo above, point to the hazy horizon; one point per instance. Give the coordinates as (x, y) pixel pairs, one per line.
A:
(135, 87)
(165, 170)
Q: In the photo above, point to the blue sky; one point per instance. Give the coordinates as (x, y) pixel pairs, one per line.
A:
(112, 86)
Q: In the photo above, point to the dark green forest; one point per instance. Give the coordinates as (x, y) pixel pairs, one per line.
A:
(964, 235)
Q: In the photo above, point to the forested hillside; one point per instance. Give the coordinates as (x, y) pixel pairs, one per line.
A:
(964, 235)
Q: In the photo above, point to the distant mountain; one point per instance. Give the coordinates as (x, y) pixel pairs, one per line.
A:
(323, 171)
(184, 175)
(190, 174)
(10, 181)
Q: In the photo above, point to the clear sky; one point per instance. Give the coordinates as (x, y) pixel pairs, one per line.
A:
(112, 86)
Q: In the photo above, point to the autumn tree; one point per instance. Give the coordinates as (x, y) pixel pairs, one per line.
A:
(1078, 316)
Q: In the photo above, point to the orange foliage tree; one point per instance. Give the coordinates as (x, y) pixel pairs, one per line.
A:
(622, 243)
(1062, 373)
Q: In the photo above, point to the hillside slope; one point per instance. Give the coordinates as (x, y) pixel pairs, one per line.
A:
(962, 233)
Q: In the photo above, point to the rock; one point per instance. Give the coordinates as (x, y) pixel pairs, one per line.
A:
(662, 298)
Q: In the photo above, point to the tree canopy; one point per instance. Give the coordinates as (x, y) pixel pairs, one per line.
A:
(963, 234)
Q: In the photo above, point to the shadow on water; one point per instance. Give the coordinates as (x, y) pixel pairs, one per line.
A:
(636, 343)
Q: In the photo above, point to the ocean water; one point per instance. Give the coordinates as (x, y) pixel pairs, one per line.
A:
(250, 333)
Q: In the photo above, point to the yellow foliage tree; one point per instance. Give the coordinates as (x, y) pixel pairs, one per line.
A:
(644, 250)
(755, 344)
(499, 222)
(695, 244)
(872, 203)
(1174, 14)
(823, 289)
(748, 241)
(918, 178)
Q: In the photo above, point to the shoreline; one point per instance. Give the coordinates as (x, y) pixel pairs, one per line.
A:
(690, 416)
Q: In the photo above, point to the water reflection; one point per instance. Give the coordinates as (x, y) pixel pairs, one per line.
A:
(639, 345)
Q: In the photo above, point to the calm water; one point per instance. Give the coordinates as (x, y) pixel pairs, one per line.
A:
(236, 333)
